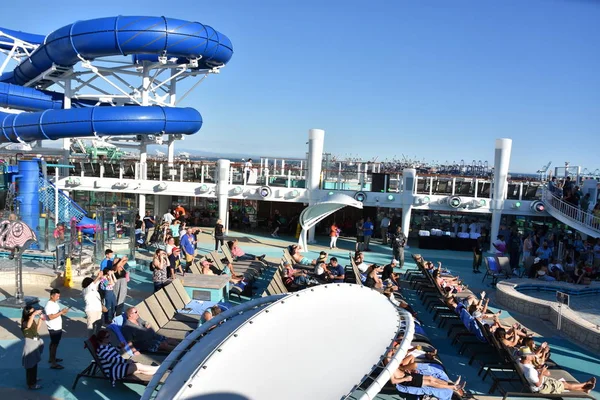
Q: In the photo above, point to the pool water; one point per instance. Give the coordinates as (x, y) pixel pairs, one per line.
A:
(587, 304)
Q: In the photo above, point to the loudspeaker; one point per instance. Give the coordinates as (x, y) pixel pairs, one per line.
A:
(379, 182)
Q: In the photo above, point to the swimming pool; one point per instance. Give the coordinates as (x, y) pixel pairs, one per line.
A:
(584, 301)
(580, 321)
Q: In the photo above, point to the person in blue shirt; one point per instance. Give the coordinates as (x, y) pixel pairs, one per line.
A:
(108, 260)
(336, 270)
(188, 247)
(544, 253)
(368, 232)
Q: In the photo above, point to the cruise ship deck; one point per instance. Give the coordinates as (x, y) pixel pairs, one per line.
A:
(578, 361)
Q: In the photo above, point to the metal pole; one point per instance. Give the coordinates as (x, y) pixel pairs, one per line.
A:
(56, 196)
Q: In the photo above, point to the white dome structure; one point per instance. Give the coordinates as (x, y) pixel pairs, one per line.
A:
(283, 347)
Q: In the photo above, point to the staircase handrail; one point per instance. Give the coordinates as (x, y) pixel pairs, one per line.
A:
(575, 214)
(67, 198)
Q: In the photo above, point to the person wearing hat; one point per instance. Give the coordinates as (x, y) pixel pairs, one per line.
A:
(388, 273)
(294, 276)
(543, 276)
(535, 267)
(540, 380)
(174, 262)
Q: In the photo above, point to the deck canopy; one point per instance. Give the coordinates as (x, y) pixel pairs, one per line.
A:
(314, 214)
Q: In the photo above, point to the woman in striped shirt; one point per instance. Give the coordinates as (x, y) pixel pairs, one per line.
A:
(113, 365)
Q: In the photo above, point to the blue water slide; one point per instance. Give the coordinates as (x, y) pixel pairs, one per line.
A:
(122, 35)
(146, 38)
(100, 121)
(24, 36)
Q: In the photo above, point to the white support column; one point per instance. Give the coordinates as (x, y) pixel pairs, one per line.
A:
(223, 167)
(409, 177)
(142, 205)
(282, 167)
(171, 151)
(500, 184)
(316, 140)
(67, 105)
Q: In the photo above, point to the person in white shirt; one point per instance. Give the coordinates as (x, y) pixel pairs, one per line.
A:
(464, 226)
(556, 269)
(53, 317)
(168, 217)
(540, 381)
(93, 303)
(473, 227)
(360, 263)
(384, 226)
(247, 169)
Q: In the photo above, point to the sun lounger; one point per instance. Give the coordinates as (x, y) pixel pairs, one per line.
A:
(95, 371)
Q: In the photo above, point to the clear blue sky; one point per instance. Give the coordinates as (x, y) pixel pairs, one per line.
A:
(435, 79)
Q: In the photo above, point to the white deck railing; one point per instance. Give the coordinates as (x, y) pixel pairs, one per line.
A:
(574, 214)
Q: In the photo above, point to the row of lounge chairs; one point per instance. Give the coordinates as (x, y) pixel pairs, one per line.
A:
(161, 311)
(476, 339)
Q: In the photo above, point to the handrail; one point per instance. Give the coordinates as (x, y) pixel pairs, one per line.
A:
(549, 396)
(407, 327)
(575, 214)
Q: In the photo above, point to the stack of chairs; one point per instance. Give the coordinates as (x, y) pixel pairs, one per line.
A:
(476, 340)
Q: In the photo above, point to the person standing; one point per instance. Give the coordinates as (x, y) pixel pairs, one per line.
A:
(110, 301)
(384, 226)
(54, 323)
(477, 255)
(187, 247)
(368, 232)
(159, 268)
(120, 288)
(360, 235)
(248, 169)
(334, 233)
(219, 234)
(149, 223)
(33, 347)
(180, 213)
(168, 217)
(276, 224)
(108, 259)
(93, 303)
(398, 244)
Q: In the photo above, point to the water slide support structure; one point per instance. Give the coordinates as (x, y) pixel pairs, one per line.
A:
(97, 80)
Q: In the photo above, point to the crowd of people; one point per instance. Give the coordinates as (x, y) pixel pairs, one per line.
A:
(547, 253)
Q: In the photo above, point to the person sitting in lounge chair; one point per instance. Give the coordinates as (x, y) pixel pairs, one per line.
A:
(140, 336)
(540, 381)
(422, 376)
(297, 277)
(542, 352)
(209, 269)
(112, 363)
(299, 258)
(239, 254)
